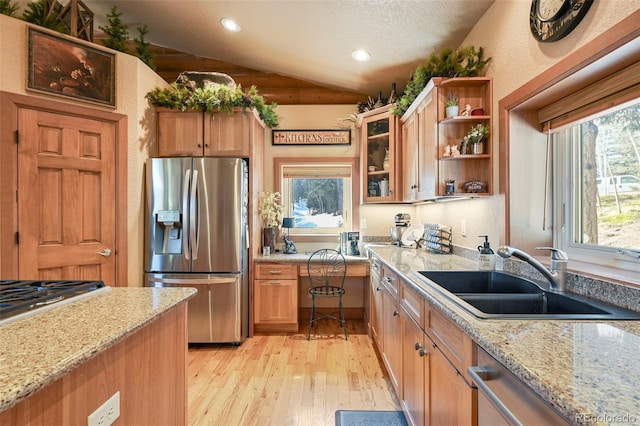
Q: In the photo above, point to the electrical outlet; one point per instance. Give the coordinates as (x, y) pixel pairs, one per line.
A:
(463, 227)
(363, 223)
(107, 413)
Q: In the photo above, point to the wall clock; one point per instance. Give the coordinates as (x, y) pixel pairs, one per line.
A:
(551, 20)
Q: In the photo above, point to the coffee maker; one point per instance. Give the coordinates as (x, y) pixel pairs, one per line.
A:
(402, 221)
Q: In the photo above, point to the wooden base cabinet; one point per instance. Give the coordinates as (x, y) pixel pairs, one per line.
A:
(375, 301)
(392, 331)
(415, 372)
(426, 356)
(453, 400)
(276, 297)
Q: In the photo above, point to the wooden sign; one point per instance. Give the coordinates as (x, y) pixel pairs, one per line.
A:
(311, 137)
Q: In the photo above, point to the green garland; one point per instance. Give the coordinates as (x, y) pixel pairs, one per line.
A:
(464, 62)
(220, 98)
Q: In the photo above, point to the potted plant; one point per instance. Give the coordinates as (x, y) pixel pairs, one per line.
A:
(476, 137)
(451, 104)
(270, 211)
(221, 98)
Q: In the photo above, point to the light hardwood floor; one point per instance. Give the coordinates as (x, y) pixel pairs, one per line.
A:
(286, 380)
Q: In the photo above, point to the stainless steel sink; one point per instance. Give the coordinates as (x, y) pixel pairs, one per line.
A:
(499, 295)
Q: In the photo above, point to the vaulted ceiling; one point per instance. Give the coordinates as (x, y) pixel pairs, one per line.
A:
(298, 51)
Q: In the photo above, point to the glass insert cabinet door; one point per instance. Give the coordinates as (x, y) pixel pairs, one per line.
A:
(378, 149)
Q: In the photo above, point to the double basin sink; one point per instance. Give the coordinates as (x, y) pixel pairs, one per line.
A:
(499, 295)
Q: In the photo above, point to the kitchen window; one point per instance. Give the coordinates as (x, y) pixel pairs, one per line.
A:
(318, 193)
(597, 187)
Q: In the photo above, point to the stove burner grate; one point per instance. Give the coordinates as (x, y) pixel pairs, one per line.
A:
(18, 296)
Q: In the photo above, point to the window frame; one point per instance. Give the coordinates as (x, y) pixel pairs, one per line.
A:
(612, 50)
(567, 196)
(351, 219)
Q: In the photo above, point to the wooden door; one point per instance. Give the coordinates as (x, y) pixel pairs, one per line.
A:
(66, 197)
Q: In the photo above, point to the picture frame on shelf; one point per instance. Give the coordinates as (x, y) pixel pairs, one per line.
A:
(63, 66)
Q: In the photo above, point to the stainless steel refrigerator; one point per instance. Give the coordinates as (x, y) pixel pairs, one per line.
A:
(196, 233)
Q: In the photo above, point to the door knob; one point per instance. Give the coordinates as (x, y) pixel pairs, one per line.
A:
(106, 252)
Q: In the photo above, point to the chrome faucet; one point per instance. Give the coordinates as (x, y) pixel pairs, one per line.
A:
(557, 272)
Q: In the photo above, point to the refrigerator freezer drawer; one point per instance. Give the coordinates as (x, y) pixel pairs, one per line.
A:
(216, 314)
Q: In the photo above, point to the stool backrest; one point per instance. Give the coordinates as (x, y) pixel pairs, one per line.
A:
(326, 267)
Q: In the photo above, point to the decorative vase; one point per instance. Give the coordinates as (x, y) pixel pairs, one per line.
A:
(269, 238)
(478, 148)
(385, 162)
(451, 111)
(464, 148)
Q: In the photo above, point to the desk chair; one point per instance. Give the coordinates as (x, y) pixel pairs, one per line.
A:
(327, 270)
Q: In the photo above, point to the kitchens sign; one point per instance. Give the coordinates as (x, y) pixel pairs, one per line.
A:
(311, 137)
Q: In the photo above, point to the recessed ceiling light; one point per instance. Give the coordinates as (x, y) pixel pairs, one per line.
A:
(230, 24)
(361, 55)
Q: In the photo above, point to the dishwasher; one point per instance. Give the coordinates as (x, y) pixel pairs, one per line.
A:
(504, 400)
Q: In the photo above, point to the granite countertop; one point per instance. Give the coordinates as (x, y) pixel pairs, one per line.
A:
(38, 350)
(302, 258)
(587, 370)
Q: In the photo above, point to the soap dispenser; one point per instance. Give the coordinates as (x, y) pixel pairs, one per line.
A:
(487, 259)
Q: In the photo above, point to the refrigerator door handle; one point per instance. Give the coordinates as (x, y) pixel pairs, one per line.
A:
(194, 221)
(185, 209)
(187, 281)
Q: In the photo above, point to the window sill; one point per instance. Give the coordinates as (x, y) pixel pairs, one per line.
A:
(604, 273)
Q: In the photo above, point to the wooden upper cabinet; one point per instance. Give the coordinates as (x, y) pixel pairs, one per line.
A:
(227, 135)
(180, 134)
(218, 134)
(380, 155)
(427, 132)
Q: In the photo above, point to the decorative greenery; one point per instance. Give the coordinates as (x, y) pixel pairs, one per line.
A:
(270, 209)
(36, 13)
(211, 99)
(8, 7)
(464, 62)
(452, 100)
(477, 134)
(117, 32)
(143, 47)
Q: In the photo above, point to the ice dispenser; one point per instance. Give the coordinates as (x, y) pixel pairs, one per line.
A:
(168, 232)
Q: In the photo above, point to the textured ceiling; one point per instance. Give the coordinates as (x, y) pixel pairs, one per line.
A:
(307, 39)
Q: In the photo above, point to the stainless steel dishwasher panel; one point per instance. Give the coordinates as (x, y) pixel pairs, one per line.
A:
(505, 400)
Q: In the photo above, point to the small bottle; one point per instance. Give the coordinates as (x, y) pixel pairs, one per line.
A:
(487, 259)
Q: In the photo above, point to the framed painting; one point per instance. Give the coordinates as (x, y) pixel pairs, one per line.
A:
(59, 65)
(311, 137)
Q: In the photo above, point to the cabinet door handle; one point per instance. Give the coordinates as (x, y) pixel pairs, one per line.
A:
(418, 345)
(377, 288)
(275, 272)
(275, 282)
(396, 313)
(423, 352)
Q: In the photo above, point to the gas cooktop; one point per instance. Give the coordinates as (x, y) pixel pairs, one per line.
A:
(19, 297)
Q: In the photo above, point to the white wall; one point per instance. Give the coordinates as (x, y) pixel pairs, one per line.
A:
(133, 80)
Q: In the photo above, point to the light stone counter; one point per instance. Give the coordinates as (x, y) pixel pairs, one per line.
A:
(303, 258)
(587, 370)
(38, 350)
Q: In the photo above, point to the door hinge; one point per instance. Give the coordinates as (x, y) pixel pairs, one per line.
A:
(17, 238)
